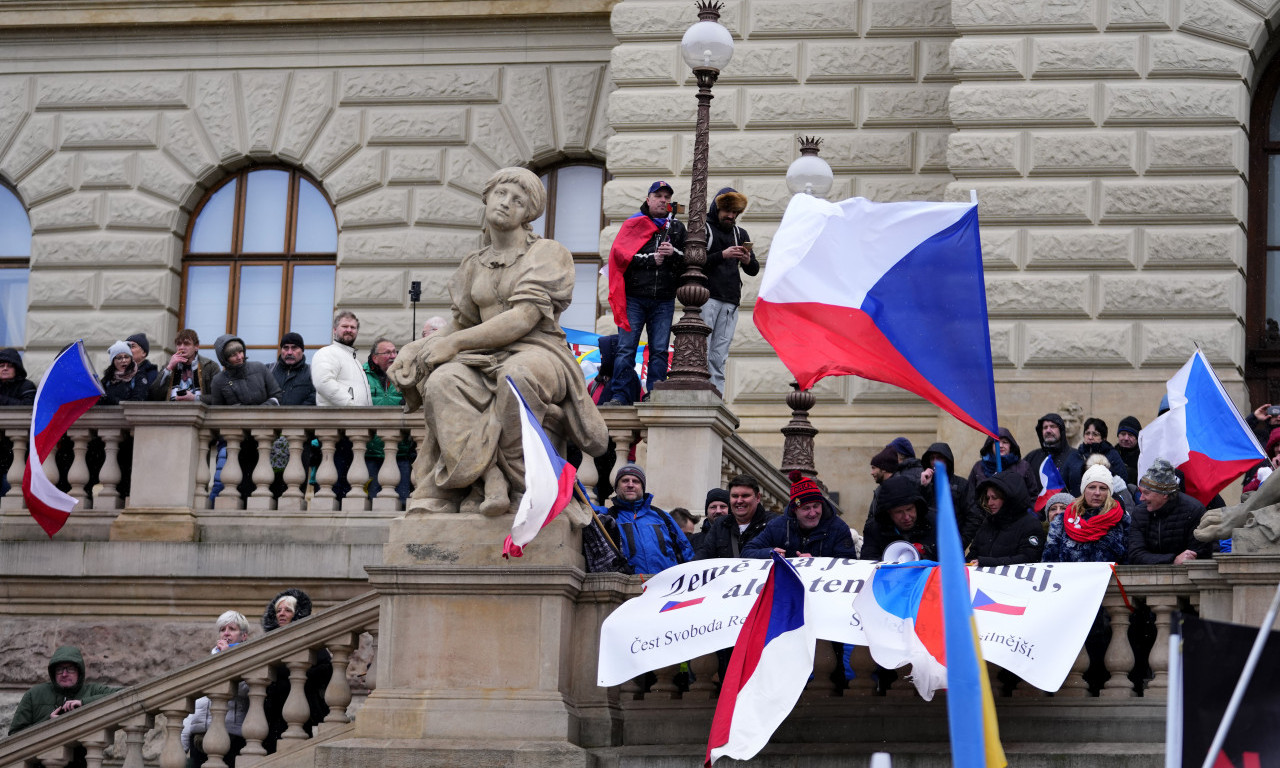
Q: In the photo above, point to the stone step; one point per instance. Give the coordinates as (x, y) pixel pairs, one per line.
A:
(905, 755)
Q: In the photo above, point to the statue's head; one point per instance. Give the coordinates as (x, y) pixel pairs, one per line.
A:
(529, 184)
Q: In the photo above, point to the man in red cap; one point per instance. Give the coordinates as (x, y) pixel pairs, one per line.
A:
(808, 528)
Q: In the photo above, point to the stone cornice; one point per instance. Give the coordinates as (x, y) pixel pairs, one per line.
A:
(41, 14)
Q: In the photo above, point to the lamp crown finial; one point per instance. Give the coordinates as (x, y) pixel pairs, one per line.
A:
(709, 10)
(809, 145)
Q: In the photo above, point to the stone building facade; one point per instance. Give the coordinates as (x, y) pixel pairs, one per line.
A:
(1108, 142)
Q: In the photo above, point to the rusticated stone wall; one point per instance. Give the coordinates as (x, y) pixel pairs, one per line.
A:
(1106, 140)
(112, 140)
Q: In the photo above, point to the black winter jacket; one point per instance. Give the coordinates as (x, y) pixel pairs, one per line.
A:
(1059, 452)
(722, 538)
(645, 279)
(249, 384)
(1013, 535)
(1158, 537)
(19, 390)
(294, 381)
(723, 279)
(831, 537)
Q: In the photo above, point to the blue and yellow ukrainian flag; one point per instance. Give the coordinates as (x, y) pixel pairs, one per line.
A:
(971, 710)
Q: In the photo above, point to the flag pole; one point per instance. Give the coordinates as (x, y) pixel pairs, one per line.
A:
(1243, 683)
(1173, 702)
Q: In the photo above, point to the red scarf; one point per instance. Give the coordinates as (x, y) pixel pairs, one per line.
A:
(1093, 528)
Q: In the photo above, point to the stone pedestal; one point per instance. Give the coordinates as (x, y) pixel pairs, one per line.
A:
(480, 655)
(445, 538)
(685, 434)
(1236, 588)
(165, 445)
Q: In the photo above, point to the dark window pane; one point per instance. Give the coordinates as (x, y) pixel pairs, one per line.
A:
(15, 228)
(265, 208)
(312, 303)
(206, 304)
(13, 307)
(258, 307)
(1273, 131)
(212, 231)
(317, 229)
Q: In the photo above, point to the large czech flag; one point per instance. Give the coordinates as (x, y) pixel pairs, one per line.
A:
(635, 232)
(1202, 433)
(66, 391)
(891, 292)
(548, 482)
(771, 663)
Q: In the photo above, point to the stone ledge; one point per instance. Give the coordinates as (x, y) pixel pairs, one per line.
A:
(168, 560)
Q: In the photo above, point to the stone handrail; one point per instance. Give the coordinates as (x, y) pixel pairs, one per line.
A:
(134, 709)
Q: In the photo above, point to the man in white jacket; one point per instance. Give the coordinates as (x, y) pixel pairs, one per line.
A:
(335, 371)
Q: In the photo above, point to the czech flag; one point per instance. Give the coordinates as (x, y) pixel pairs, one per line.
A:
(771, 664)
(891, 292)
(635, 232)
(1202, 433)
(1050, 483)
(66, 391)
(548, 482)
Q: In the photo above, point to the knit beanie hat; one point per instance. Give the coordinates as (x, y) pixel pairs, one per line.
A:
(1160, 478)
(1059, 498)
(119, 348)
(902, 446)
(141, 340)
(897, 491)
(715, 494)
(634, 471)
(1129, 424)
(292, 338)
(803, 489)
(1095, 474)
(886, 460)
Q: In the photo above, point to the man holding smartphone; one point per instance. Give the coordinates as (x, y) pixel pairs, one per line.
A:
(187, 374)
(1264, 418)
(728, 250)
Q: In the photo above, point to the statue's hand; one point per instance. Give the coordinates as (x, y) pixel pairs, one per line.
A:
(1215, 525)
(438, 350)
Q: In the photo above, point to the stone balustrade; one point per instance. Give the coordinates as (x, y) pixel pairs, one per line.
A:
(116, 728)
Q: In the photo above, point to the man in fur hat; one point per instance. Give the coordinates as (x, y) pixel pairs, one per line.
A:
(728, 250)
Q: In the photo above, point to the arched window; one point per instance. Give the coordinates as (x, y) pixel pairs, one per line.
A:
(15, 268)
(259, 261)
(575, 216)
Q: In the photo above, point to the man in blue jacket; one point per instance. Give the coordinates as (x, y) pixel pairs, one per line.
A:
(650, 540)
(808, 528)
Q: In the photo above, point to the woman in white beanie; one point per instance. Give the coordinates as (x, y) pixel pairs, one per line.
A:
(1094, 528)
(120, 380)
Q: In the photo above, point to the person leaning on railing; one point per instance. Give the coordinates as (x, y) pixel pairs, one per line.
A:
(65, 691)
(233, 629)
(289, 606)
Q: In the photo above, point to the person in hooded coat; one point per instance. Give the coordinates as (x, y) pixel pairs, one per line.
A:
(960, 489)
(901, 515)
(287, 607)
(240, 382)
(1010, 533)
(808, 527)
(61, 694)
(15, 388)
(1051, 432)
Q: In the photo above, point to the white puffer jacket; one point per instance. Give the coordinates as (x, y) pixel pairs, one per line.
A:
(338, 377)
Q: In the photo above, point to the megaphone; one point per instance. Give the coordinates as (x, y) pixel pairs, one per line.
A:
(901, 552)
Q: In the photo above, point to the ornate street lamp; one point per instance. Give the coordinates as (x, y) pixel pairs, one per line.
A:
(707, 47)
(810, 175)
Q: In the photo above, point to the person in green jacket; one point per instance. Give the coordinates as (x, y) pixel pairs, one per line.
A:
(383, 392)
(65, 691)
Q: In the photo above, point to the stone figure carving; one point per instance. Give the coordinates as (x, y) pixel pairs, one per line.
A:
(1072, 414)
(1253, 526)
(506, 304)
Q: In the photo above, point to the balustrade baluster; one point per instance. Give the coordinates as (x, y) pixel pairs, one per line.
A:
(108, 496)
(262, 476)
(296, 709)
(704, 669)
(255, 727)
(58, 757)
(1119, 657)
(171, 754)
(229, 497)
(14, 499)
(295, 472)
(338, 693)
(95, 744)
(135, 732)
(902, 688)
(204, 471)
(665, 687)
(821, 685)
(632, 689)
(324, 499)
(389, 473)
(78, 473)
(863, 683)
(357, 499)
(623, 440)
(1075, 686)
(216, 739)
(1163, 606)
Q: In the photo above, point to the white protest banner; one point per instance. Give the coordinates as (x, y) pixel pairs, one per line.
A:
(1034, 626)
